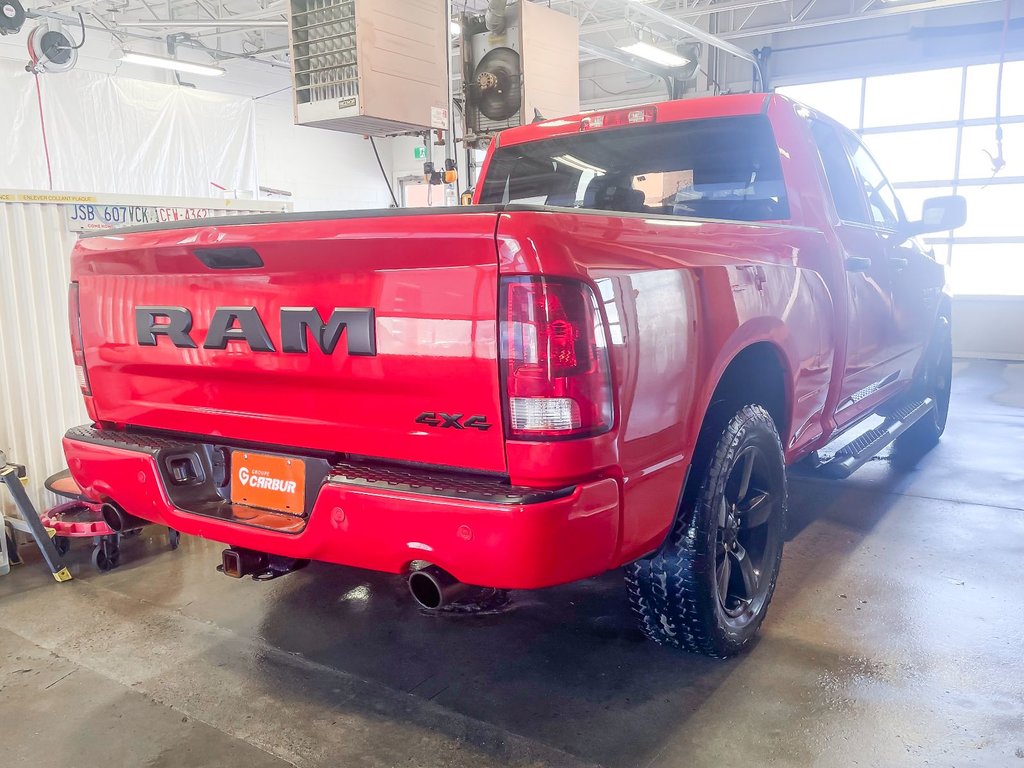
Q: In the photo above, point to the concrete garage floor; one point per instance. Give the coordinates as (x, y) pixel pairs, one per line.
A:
(895, 639)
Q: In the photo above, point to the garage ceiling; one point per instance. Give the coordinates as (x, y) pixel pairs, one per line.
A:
(257, 29)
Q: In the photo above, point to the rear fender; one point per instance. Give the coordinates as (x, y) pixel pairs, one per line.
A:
(790, 310)
(765, 331)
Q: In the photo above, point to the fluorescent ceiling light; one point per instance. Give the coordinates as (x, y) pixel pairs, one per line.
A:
(655, 54)
(574, 162)
(163, 62)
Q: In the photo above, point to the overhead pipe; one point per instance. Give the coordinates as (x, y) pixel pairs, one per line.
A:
(100, 26)
(203, 23)
(219, 54)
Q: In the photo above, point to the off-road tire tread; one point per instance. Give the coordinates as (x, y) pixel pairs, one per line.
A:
(666, 593)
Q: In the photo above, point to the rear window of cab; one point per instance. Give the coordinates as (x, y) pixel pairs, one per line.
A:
(717, 168)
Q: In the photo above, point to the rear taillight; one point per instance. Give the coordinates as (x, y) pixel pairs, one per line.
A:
(555, 359)
(75, 320)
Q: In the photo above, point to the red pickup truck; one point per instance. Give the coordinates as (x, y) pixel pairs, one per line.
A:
(607, 362)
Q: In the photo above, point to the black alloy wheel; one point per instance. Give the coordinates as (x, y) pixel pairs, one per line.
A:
(747, 543)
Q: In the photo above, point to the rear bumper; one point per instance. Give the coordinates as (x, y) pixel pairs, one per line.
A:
(481, 531)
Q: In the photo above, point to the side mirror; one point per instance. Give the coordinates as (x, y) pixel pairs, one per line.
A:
(940, 214)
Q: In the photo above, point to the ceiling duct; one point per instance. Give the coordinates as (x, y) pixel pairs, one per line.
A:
(494, 19)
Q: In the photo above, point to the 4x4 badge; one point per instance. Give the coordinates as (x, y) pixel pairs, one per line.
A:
(453, 421)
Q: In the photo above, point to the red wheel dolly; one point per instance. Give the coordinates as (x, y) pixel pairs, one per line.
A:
(81, 517)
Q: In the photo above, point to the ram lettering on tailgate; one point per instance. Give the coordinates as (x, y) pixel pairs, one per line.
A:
(245, 324)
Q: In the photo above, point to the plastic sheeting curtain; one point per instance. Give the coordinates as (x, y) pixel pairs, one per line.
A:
(114, 134)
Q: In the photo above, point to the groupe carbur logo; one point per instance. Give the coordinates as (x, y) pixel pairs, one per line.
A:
(264, 480)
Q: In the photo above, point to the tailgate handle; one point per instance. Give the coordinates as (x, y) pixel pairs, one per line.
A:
(229, 258)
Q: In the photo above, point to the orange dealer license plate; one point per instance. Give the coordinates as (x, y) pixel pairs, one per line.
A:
(269, 482)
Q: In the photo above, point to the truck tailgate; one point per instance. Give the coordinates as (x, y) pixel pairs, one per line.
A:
(430, 280)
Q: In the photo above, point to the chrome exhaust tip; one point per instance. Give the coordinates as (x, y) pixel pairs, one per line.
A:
(433, 588)
(118, 520)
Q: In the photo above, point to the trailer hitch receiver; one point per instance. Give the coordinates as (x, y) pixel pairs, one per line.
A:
(237, 562)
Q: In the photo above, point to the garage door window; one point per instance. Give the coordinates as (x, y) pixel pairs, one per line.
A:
(943, 144)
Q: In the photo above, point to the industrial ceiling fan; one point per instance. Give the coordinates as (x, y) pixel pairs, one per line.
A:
(496, 89)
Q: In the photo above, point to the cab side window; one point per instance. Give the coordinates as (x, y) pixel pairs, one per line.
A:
(885, 210)
(843, 183)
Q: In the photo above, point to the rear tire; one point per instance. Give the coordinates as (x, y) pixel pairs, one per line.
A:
(936, 382)
(708, 588)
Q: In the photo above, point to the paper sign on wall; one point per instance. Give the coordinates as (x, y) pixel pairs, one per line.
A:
(439, 117)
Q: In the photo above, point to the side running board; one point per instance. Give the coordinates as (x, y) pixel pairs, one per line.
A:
(842, 457)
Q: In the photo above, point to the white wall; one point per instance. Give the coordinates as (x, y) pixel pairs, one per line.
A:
(324, 170)
(990, 327)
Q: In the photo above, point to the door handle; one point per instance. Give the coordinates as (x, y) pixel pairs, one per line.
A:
(899, 262)
(858, 263)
